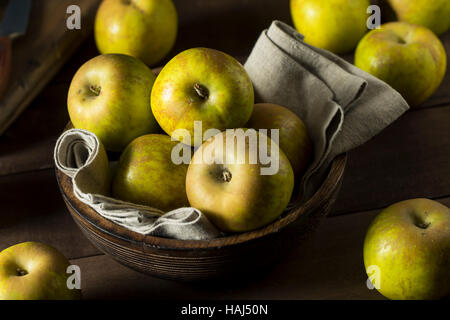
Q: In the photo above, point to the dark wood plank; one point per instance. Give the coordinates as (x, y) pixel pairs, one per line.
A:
(39, 54)
(29, 143)
(32, 210)
(409, 159)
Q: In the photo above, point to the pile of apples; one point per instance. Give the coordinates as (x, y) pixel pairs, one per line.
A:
(163, 125)
(196, 98)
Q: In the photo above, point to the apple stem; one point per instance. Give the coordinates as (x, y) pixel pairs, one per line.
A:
(95, 89)
(21, 272)
(423, 225)
(201, 91)
(226, 175)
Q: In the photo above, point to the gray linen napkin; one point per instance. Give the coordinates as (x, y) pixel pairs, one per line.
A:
(341, 105)
(81, 156)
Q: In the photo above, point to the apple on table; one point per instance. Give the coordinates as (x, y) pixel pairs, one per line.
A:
(408, 243)
(34, 271)
(410, 58)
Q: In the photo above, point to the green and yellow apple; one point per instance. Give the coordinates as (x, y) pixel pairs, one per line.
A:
(408, 244)
(334, 25)
(410, 58)
(145, 29)
(34, 271)
(294, 139)
(110, 96)
(435, 14)
(204, 85)
(226, 180)
(147, 175)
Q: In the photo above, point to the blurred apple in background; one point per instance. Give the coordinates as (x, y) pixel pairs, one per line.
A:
(408, 57)
(409, 245)
(293, 136)
(146, 174)
(110, 96)
(202, 84)
(34, 271)
(334, 25)
(230, 190)
(433, 14)
(145, 29)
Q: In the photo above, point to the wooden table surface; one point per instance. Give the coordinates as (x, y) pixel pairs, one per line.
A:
(409, 159)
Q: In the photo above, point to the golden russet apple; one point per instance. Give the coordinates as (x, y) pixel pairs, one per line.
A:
(110, 96)
(146, 174)
(204, 85)
(293, 135)
(145, 29)
(229, 188)
(334, 25)
(435, 14)
(34, 271)
(409, 58)
(408, 245)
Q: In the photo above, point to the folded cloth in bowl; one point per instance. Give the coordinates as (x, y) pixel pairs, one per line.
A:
(80, 155)
(341, 105)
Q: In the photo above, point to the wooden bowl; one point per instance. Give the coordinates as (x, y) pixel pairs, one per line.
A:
(201, 259)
